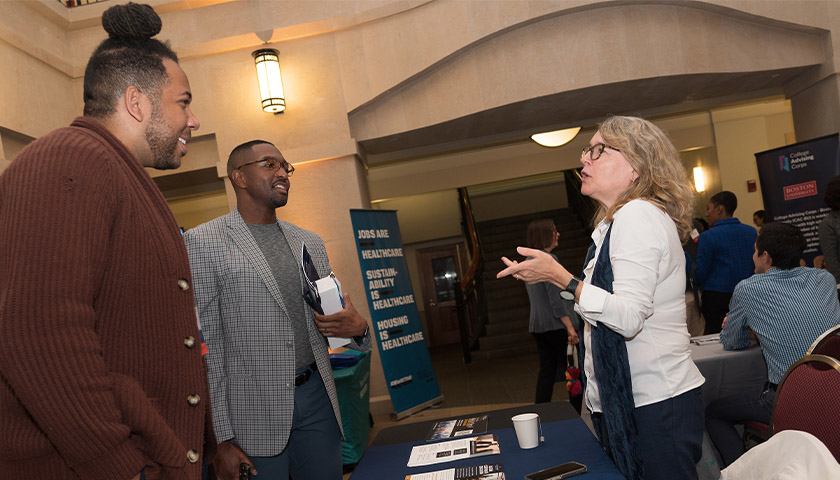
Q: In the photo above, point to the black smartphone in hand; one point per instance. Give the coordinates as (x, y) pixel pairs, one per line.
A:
(559, 472)
(244, 471)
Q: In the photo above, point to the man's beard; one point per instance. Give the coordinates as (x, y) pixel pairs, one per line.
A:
(163, 148)
(279, 201)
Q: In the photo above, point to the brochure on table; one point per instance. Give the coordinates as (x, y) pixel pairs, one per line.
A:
(460, 427)
(492, 471)
(706, 339)
(448, 451)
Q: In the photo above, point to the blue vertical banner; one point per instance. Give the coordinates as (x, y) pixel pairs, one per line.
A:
(793, 180)
(405, 359)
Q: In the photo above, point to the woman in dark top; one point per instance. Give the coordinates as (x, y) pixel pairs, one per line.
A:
(550, 321)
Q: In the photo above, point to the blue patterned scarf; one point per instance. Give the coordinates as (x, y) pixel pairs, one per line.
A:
(612, 369)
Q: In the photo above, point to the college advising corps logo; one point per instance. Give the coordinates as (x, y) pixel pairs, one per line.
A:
(795, 161)
(784, 163)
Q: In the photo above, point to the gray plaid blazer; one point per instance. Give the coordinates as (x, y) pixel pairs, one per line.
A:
(251, 359)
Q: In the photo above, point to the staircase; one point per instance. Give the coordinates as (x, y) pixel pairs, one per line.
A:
(506, 331)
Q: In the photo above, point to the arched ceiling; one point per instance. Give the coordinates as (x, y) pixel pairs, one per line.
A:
(574, 67)
(583, 107)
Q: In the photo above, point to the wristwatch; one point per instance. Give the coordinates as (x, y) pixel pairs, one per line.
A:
(362, 337)
(568, 293)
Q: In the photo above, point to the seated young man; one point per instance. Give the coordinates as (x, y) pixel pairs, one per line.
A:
(786, 307)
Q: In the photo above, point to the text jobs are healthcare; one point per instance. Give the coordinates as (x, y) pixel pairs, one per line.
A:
(399, 335)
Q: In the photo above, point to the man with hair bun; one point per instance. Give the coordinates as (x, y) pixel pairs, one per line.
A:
(101, 368)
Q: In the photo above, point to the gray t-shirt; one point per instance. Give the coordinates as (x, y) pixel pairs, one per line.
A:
(284, 266)
(548, 307)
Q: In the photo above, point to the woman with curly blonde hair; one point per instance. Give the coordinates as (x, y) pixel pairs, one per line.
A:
(661, 180)
(640, 383)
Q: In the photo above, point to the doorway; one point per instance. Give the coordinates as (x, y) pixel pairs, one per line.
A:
(440, 267)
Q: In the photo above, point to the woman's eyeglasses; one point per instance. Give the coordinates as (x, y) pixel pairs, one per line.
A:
(596, 150)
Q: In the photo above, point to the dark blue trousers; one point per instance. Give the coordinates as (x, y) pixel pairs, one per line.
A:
(314, 448)
(724, 413)
(670, 436)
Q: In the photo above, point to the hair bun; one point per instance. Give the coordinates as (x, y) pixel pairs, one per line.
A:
(131, 21)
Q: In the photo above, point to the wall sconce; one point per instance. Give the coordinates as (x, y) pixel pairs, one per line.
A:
(271, 85)
(699, 179)
(555, 138)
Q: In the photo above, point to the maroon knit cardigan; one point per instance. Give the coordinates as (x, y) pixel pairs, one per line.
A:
(99, 362)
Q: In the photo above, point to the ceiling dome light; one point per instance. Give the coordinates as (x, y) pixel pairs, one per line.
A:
(555, 138)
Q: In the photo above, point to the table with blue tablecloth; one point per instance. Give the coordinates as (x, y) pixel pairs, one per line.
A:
(567, 439)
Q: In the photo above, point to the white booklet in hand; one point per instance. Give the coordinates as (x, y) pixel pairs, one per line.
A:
(322, 294)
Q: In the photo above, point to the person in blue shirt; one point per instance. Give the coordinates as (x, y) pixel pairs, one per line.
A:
(724, 258)
(785, 307)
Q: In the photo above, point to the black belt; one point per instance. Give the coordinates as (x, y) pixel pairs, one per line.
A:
(304, 376)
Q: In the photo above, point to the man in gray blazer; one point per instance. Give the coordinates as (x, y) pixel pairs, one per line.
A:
(272, 392)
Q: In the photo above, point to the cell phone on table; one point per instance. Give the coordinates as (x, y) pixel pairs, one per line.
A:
(566, 470)
(244, 471)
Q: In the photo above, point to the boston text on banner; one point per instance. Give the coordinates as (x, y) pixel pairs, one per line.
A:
(405, 359)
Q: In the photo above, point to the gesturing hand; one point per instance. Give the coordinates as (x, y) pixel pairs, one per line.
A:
(541, 267)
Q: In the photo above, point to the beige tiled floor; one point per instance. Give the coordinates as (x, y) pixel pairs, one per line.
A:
(487, 382)
(478, 386)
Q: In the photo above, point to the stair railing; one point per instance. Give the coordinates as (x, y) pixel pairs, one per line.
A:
(469, 292)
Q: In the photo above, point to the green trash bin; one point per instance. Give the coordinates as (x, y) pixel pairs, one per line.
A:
(353, 387)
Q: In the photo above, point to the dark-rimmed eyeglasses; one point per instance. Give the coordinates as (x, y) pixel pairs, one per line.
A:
(596, 150)
(272, 165)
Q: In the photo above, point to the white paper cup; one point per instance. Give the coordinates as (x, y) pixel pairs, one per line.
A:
(527, 426)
